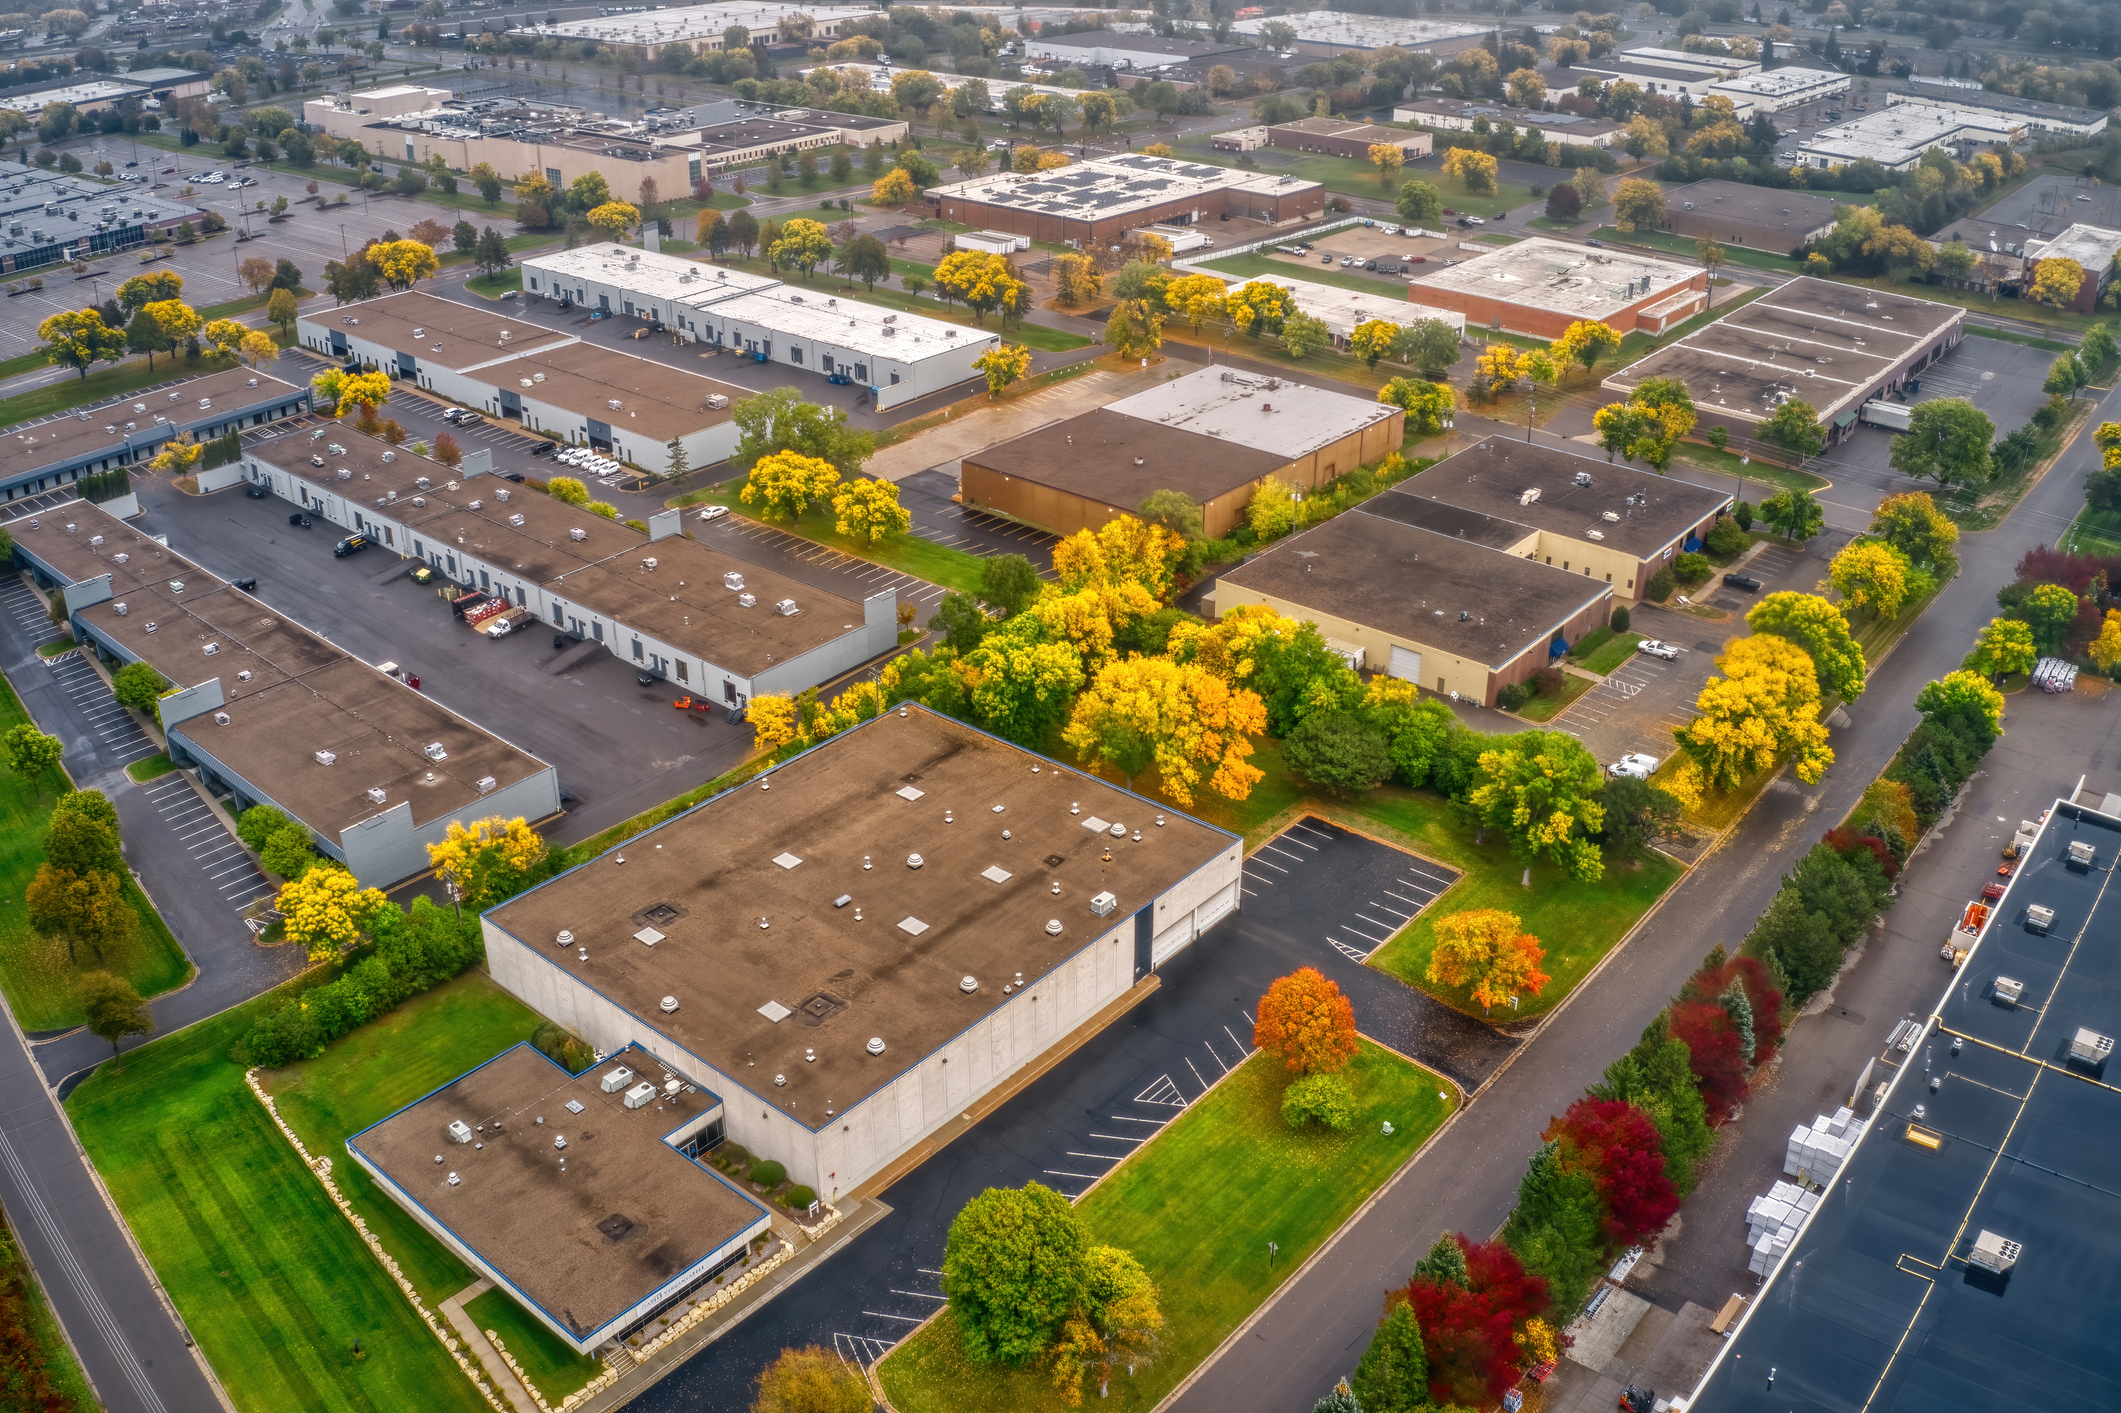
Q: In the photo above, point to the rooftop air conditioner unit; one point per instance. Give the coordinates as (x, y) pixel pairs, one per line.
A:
(390, 456)
(327, 758)
(638, 1096)
(786, 608)
(211, 648)
(120, 609)
(2081, 854)
(524, 381)
(1103, 904)
(220, 718)
(1993, 1253)
(618, 1079)
(2008, 990)
(435, 751)
(376, 795)
(2039, 919)
(578, 535)
(1529, 496)
(716, 402)
(487, 783)
(421, 482)
(345, 474)
(613, 404)
(747, 600)
(500, 495)
(516, 519)
(459, 1131)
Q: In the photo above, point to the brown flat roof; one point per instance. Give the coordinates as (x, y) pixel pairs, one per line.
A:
(682, 600)
(1119, 460)
(467, 336)
(1827, 344)
(1414, 584)
(84, 431)
(654, 397)
(1647, 511)
(888, 963)
(628, 1215)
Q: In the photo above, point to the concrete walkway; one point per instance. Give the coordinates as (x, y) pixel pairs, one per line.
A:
(468, 1330)
(941, 446)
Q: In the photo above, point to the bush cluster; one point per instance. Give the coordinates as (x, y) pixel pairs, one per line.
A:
(560, 1045)
(412, 950)
(1324, 1099)
(281, 844)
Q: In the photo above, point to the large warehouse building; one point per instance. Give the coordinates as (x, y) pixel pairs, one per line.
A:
(898, 357)
(855, 949)
(1101, 200)
(1831, 345)
(1539, 287)
(722, 627)
(1739, 213)
(631, 408)
(1214, 434)
(275, 715)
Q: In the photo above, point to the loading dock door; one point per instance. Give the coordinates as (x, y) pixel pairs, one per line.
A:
(1406, 665)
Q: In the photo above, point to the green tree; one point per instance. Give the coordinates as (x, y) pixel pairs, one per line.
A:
(288, 852)
(82, 837)
(139, 686)
(1912, 524)
(1174, 510)
(1420, 202)
(1013, 1268)
(114, 1009)
(1793, 514)
(490, 253)
(2064, 376)
(780, 420)
(1821, 630)
(1427, 404)
(1947, 441)
(960, 621)
(1302, 334)
(1795, 428)
(29, 751)
(2006, 645)
(865, 259)
(1557, 1227)
(1540, 789)
(1430, 345)
(2049, 610)
(1340, 752)
(1393, 1374)
(1637, 815)
(1008, 583)
(282, 309)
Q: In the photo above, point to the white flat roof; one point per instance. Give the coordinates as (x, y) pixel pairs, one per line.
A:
(1343, 309)
(1897, 135)
(1365, 31)
(1562, 278)
(1778, 83)
(688, 23)
(1102, 189)
(1221, 402)
(651, 274)
(1726, 63)
(848, 323)
(94, 91)
(2093, 247)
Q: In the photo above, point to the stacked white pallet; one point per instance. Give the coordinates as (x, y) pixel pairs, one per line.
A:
(1771, 1224)
(1819, 1151)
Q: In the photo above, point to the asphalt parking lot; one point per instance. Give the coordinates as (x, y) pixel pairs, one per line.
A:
(2051, 203)
(927, 498)
(1068, 1127)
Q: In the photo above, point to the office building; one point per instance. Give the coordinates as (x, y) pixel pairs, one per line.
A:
(1739, 213)
(1539, 287)
(1466, 114)
(1101, 200)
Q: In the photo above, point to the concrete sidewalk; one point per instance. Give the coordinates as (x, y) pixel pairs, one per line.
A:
(941, 447)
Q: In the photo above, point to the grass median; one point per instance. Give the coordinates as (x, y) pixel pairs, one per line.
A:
(1197, 1206)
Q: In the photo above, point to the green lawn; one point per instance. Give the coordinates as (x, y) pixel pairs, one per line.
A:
(1602, 657)
(1546, 708)
(2025, 340)
(908, 553)
(153, 768)
(1778, 477)
(493, 286)
(376, 1071)
(555, 1369)
(1685, 247)
(1197, 1207)
(272, 1281)
(2094, 532)
(107, 382)
(34, 1340)
(35, 973)
(1255, 264)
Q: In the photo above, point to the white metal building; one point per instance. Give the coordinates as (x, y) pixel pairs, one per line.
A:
(1896, 137)
(1778, 89)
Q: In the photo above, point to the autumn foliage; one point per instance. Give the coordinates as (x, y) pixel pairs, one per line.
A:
(1486, 949)
(1306, 1021)
(1849, 844)
(1763, 998)
(1469, 1331)
(1617, 1147)
(1714, 1054)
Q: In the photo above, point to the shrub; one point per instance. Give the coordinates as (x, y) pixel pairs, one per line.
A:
(769, 1173)
(287, 851)
(1690, 568)
(1725, 538)
(1660, 586)
(560, 1045)
(259, 823)
(800, 1197)
(1338, 751)
(1547, 681)
(736, 1155)
(414, 949)
(1621, 619)
(1515, 695)
(1742, 512)
(1324, 1098)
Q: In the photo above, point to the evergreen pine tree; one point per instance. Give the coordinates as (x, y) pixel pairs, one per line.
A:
(1445, 1264)
(1393, 1374)
(1340, 1400)
(1739, 1007)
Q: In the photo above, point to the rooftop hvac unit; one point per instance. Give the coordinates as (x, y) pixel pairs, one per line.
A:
(345, 474)
(421, 482)
(1583, 478)
(2039, 919)
(786, 608)
(1994, 1253)
(649, 565)
(1529, 496)
(120, 609)
(2081, 854)
(220, 718)
(716, 402)
(2008, 990)
(500, 494)
(1103, 904)
(487, 784)
(537, 377)
(459, 1131)
(732, 580)
(578, 535)
(2091, 1047)
(94, 540)
(638, 1096)
(747, 600)
(618, 1079)
(613, 404)
(151, 625)
(376, 794)
(516, 519)
(176, 586)
(116, 558)
(1595, 534)
(212, 648)
(326, 758)
(524, 381)
(417, 500)
(390, 456)
(1610, 515)
(436, 751)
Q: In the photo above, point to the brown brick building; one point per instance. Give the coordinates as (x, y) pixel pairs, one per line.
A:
(1103, 199)
(1336, 137)
(1539, 287)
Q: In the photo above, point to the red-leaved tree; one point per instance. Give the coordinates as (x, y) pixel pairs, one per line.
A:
(1761, 994)
(1616, 1146)
(2043, 564)
(1714, 1054)
(1469, 1331)
(1849, 844)
(1305, 1020)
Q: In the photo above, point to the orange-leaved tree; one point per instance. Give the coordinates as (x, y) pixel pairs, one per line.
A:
(1305, 1020)
(1487, 949)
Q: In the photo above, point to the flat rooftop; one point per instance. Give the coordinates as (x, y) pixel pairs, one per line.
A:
(1106, 455)
(682, 600)
(1779, 83)
(1414, 584)
(83, 432)
(1899, 134)
(867, 329)
(2008, 103)
(1342, 308)
(652, 274)
(683, 23)
(437, 331)
(1273, 415)
(1337, 127)
(1727, 63)
(743, 134)
(2093, 247)
(655, 399)
(1877, 1305)
(1823, 342)
(94, 91)
(1354, 31)
(1563, 124)
(304, 694)
(1563, 279)
(1796, 212)
(628, 1215)
(787, 847)
(1150, 47)
(1108, 187)
(1636, 511)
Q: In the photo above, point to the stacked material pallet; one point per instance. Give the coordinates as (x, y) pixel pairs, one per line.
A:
(1819, 1151)
(1771, 1224)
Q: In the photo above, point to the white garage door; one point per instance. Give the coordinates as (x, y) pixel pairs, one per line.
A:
(1406, 665)
(1177, 935)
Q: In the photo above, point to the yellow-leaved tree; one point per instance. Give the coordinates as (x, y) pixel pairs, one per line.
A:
(1387, 158)
(403, 263)
(1764, 708)
(2106, 648)
(893, 188)
(984, 281)
(1476, 170)
(1585, 341)
(1182, 719)
(488, 860)
(346, 391)
(1260, 307)
(221, 337)
(1870, 575)
(1489, 951)
(1003, 364)
(614, 220)
(1134, 330)
(178, 455)
(326, 910)
(867, 510)
(1123, 550)
(1962, 691)
(2057, 281)
(258, 347)
(1371, 340)
(787, 483)
(1196, 298)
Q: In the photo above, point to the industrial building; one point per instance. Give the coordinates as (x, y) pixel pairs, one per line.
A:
(1670, 72)
(47, 217)
(1539, 287)
(855, 949)
(1583, 515)
(1833, 346)
(1344, 31)
(1962, 1253)
(2028, 114)
(550, 382)
(1214, 435)
(1739, 213)
(1337, 138)
(1777, 89)
(2093, 248)
(1342, 309)
(59, 450)
(100, 92)
(1450, 615)
(1116, 49)
(1896, 137)
(271, 714)
(585, 1197)
(1101, 200)
(898, 357)
(699, 28)
(1461, 115)
(722, 628)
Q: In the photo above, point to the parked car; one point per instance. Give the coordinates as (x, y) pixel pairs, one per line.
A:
(508, 294)
(246, 583)
(1325, 259)
(543, 449)
(1635, 764)
(255, 491)
(1476, 221)
(1745, 582)
(1653, 647)
(1465, 220)
(299, 519)
(1417, 259)
(714, 512)
(167, 170)
(515, 476)
(352, 544)
(1595, 244)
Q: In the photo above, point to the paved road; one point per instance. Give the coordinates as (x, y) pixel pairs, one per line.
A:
(1316, 1329)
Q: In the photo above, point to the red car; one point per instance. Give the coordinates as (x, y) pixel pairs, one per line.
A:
(167, 170)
